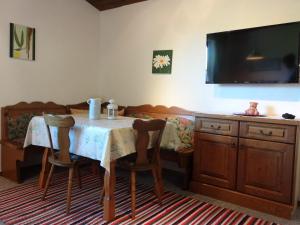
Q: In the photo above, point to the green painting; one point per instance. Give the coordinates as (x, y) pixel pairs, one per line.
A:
(162, 62)
(22, 42)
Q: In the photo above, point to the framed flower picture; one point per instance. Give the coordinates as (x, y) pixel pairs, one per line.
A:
(162, 62)
(22, 42)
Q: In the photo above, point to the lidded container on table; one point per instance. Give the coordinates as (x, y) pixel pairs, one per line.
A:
(94, 108)
(112, 109)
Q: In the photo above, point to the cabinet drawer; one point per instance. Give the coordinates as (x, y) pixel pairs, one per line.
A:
(217, 126)
(270, 132)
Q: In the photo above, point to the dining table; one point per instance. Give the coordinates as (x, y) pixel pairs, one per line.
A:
(104, 140)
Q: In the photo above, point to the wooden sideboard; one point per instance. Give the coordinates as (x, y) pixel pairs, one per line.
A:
(250, 161)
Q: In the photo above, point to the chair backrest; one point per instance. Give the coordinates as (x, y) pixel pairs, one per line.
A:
(63, 125)
(143, 128)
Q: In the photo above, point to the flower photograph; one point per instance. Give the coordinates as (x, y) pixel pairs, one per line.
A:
(162, 61)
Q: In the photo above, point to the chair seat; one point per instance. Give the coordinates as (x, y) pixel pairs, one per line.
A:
(74, 159)
(72, 156)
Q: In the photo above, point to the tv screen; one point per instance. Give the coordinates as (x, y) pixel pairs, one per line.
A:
(267, 54)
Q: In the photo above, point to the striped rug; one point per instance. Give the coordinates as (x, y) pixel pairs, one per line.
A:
(23, 205)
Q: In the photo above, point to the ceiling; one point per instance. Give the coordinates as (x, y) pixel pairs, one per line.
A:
(110, 4)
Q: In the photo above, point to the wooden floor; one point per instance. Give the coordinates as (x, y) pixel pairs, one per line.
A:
(171, 182)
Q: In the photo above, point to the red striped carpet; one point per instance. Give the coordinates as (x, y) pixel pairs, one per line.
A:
(23, 205)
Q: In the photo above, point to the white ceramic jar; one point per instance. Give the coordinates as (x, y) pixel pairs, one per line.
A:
(94, 108)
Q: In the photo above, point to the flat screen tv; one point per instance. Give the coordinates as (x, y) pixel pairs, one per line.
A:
(268, 54)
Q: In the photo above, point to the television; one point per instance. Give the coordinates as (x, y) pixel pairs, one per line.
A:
(268, 54)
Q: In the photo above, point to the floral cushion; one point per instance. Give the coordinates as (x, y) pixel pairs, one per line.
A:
(185, 130)
(17, 127)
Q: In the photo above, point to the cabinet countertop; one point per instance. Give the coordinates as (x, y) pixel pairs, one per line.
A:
(260, 119)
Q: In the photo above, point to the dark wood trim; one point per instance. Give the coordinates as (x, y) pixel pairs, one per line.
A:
(110, 4)
(264, 205)
(11, 40)
(33, 44)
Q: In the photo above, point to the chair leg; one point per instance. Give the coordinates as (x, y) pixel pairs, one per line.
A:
(159, 178)
(133, 193)
(77, 171)
(102, 196)
(71, 171)
(157, 185)
(48, 182)
(129, 188)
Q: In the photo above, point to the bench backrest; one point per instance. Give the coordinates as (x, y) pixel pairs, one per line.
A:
(84, 106)
(182, 119)
(15, 118)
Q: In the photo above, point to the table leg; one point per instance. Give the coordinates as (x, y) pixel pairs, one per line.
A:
(160, 179)
(96, 167)
(109, 187)
(45, 169)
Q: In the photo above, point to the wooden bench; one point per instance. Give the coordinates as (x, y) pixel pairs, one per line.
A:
(14, 123)
(184, 122)
(15, 120)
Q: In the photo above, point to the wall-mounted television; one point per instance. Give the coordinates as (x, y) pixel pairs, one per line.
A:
(268, 54)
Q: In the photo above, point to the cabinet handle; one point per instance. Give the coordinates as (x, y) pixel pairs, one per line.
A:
(233, 144)
(266, 134)
(215, 128)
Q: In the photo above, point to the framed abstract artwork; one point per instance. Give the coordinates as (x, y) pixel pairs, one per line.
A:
(22, 42)
(162, 62)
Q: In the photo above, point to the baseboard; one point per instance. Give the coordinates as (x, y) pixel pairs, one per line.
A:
(256, 203)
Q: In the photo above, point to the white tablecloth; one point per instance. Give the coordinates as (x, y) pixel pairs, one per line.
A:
(102, 139)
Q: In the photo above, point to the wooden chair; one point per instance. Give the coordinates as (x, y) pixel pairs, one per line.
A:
(62, 158)
(142, 160)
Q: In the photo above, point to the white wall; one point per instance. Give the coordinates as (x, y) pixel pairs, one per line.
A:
(67, 50)
(129, 35)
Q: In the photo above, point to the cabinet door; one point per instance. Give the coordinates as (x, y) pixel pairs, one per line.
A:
(215, 159)
(265, 169)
